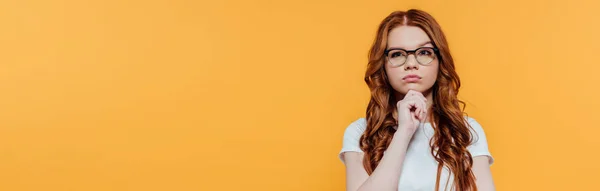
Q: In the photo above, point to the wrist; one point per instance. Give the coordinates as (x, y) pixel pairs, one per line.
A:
(403, 132)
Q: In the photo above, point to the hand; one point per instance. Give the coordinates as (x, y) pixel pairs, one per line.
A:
(412, 110)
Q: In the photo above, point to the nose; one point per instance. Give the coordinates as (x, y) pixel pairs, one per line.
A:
(411, 62)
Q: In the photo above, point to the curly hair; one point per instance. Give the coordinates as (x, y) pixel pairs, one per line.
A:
(452, 133)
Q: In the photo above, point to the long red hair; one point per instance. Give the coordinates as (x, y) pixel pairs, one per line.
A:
(452, 133)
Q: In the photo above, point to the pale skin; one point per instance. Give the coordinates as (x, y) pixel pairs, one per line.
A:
(416, 99)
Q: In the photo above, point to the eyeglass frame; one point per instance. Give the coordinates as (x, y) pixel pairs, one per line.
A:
(409, 52)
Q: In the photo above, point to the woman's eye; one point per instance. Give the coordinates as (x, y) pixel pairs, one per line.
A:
(395, 54)
(424, 53)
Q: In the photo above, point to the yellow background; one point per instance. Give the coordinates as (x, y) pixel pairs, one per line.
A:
(255, 95)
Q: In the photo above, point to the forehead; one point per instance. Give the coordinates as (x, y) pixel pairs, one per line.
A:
(407, 37)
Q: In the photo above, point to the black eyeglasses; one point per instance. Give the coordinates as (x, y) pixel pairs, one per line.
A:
(424, 55)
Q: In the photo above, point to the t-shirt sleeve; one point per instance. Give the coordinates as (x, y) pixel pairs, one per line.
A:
(352, 136)
(480, 145)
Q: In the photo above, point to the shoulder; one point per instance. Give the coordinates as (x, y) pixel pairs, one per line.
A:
(474, 125)
(356, 128)
(479, 146)
(352, 134)
(470, 119)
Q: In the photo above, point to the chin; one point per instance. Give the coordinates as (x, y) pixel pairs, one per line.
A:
(412, 87)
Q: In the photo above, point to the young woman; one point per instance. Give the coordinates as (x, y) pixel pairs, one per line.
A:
(415, 136)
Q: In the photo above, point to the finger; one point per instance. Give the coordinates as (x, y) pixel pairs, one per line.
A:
(416, 93)
(420, 95)
(424, 102)
(405, 103)
(415, 114)
(418, 111)
(414, 117)
(413, 104)
(417, 107)
(412, 93)
(423, 108)
(420, 101)
(424, 111)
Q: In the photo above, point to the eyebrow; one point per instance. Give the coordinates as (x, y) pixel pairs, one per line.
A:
(420, 45)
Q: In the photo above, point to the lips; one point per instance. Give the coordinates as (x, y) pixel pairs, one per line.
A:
(412, 77)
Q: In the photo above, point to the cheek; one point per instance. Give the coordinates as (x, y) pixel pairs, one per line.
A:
(432, 75)
(432, 72)
(394, 75)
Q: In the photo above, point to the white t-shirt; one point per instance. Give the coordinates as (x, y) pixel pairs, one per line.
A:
(419, 170)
